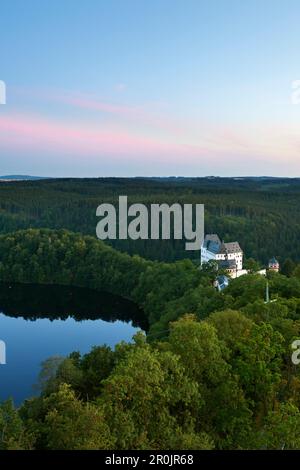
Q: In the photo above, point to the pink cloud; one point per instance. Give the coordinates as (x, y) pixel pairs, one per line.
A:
(141, 115)
(97, 105)
(22, 132)
(80, 100)
(139, 132)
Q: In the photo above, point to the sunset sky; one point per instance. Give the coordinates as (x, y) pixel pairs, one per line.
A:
(143, 88)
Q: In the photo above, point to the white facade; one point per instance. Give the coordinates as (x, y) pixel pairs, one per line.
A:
(239, 272)
(231, 253)
(207, 255)
(238, 257)
(262, 272)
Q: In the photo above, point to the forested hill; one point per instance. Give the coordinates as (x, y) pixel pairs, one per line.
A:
(164, 291)
(215, 370)
(261, 213)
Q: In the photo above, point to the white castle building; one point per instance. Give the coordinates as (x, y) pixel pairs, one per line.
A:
(229, 256)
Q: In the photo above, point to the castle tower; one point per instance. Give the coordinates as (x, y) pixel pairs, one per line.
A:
(273, 265)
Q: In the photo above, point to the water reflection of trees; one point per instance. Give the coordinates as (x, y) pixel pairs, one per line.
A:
(32, 301)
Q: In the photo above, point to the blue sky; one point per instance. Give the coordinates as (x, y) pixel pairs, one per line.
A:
(127, 87)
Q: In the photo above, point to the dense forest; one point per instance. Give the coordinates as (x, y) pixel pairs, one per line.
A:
(261, 213)
(211, 370)
(214, 371)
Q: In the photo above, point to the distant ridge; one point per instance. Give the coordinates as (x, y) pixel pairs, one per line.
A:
(179, 179)
(21, 177)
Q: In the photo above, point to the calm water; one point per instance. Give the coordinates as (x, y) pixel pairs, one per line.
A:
(37, 322)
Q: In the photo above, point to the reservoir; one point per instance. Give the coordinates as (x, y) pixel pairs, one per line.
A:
(38, 322)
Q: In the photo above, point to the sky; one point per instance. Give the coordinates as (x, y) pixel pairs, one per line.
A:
(150, 88)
